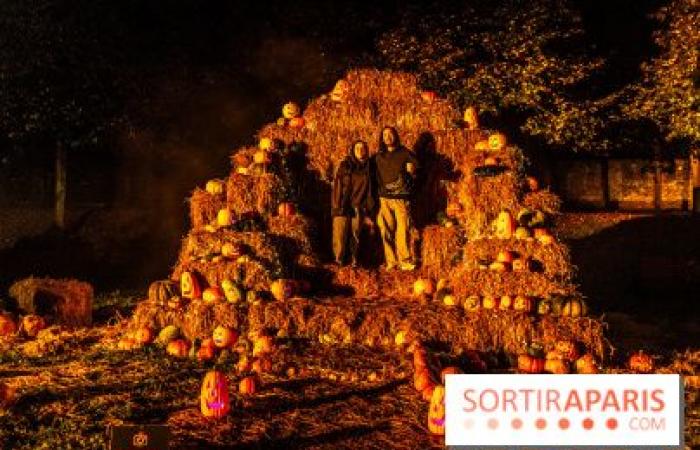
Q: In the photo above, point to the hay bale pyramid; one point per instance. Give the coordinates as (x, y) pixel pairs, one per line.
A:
(491, 277)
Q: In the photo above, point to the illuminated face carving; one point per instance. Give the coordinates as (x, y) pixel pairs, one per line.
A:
(214, 398)
(436, 413)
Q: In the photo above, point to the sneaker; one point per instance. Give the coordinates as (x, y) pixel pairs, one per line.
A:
(407, 266)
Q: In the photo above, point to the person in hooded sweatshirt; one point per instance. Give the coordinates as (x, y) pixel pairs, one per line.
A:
(352, 202)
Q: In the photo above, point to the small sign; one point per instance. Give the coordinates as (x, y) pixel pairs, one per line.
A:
(139, 437)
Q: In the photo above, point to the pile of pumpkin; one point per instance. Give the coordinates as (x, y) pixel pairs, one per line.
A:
(528, 225)
(564, 357)
(507, 261)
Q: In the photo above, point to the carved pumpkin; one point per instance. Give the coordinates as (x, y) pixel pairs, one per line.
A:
(497, 141)
(286, 209)
(247, 386)
(282, 289)
(340, 91)
(224, 218)
(489, 302)
(178, 348)
(214, 398)
(189, 285)
(641, 362)
(436, 412)
(33, 324)
(523, 233)
(400, 339)
(213, 295)
(297, 122)
(8, 327)
(530, 364)
(523, 303)
(586, 365)
(224, 337)
(144, 335)
(423, 287)
(471, 118)
(428, 96)
(232, 292)
(505, 225)
(557, 366)
(546, 239)
(266, 144)
(263, 345)
(505, 302)
(505, 256)
(450, 370)
(448, 299)
(215, 187)
(574, 307)
(291, 110)
(161, 291)
(472, 303)
(567, 349)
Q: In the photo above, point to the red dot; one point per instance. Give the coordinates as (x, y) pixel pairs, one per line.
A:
(564, 424)
(587, 424)
(611, 423)
(493, 424)
(517, 424)
(541, 424)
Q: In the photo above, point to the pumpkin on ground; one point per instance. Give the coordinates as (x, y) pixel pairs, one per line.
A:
(178, 348)
(8, 327)
(167, 334)
(144, 335)
(214, 398)
(247, 386)
(32, 324)
(641, 362)
(530, 364)
(126, 343)
(213, 295)
(586, 365)
(297, 122)
(556, 366)
(436, 412)
(161, 291)
(189, 285)
(224, 337)
(286, 209)
(232, 291)
(291, 110)
(423, 287)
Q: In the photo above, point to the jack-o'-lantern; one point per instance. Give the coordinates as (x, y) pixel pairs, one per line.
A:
(263, 345)
(215, 187)
(286, 209)
(505, 256)
(8, 327)
(423, 287)
(567, 349)
(33, 324)
(489, 302)
(481, 146)
(214, 398)
(436, 412)
(472, 303)
(213, 295)
(266, 144)
(523, 233)
(159, 292)
(587, 365)
(262, 365)
(641, 362)
(282, 289)
(7, 395)
(247, 386)
(544, 306)
(530, 364)
(505, 225)
(144, 335)
(574, 307)
(224, 218)
(523, 303)
(471, 118)
(178, 348)
(232, 292)
(340, 91)
(224, 337)
(449, 370)
(189, 285)
(497, 141)
(556, 366)
(505, 302)
(532, 184)
(297, 122)
(290, 110)
(428, 96)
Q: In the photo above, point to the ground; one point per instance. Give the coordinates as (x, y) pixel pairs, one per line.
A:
(636, 269)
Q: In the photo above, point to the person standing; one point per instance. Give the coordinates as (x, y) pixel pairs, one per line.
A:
(395, 169)
(352, 202)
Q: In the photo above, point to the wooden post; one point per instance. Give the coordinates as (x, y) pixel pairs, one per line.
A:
(60, 187)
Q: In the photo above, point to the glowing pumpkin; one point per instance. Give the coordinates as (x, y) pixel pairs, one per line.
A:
(489, 302)
(544, 306)
(213, 295)
(448, 299)
(265, 144)
(262, 157)
(505, 302)
(178, 348)
(340, 91)
(523, 303)
(498, 267)
(521, 265)
(282, 289)
(505, 225)
(505, 256)
(291, 110)
(189, 285)
(33, 324)
(224, 218)
(428, 96)
(297, 122)
(247, 386)
(400, 339)
(497, 141)
(215, 187)
(231, 250)
(641, 362)
(530, 364)
(574, 307)
(481, 146)
(224, 337)
(436, 412)
(471, 118)
(586, 365)
(557, 366)
(232, 292)
(263, 345)
(423, 287)
(8, 326)
(167, 334)
(286, 209)
(523, 233)
(472, 303)
(214, 398)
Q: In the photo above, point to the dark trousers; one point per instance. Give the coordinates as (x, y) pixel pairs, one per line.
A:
(346, 237)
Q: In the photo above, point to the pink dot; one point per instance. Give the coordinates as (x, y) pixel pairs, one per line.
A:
(588, 424)
(516, 424)
(564, 424)
(541, 424)
(469, 424)
(611, 423)
(493, 424)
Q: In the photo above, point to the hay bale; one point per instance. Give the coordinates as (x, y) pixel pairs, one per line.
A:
(296, 238)
(253, 194)
(361, 283)
(204, 207)
(543, 200)
(441, 249)
(466, 282)
(67, 302)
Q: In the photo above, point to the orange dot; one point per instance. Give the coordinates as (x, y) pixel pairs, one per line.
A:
(517, 424)
(564, 424)
(541, 424)
(611, 423)
(587, 424)
(493, 424)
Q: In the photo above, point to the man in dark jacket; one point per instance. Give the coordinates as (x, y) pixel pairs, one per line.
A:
(396, 168)
(352, 202)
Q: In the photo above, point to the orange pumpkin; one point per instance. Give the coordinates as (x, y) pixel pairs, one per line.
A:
(144, 335)
(557, 366)
(266, 144)
(641, 362)
(428, 96)
(126, 343)
(497, 141)
(491, 161)
(340, 91)
(436, 412)
(530, 364)
(523, 233)
(215, 187)
(574, 307)
(286, 209)
(224, 218)
(262, 157)
(586, 364)
(291, 110)
(423, 287)
(213, 295)
(489, 302)
(178, 348)
(231, 250)
(521, 265)
(282, 289)
(243, 364)
(8, 326)
(33, 324)
(224, 337)
(472, 303)
(505, 225)
(297, 123)
(523, 303)
(189, 285)
(214, 398)
(481, 146)
(505, 256)
(505, 302)
(449, 370)
(263, 345)
(247, 386)
(498, 266)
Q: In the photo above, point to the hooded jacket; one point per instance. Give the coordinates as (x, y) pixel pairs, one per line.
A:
(353, 187)
(394, 181)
